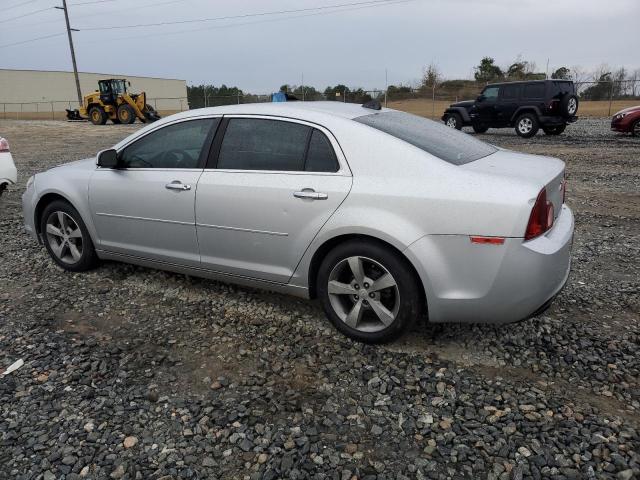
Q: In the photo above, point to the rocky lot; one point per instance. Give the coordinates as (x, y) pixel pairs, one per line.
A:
(133, 373)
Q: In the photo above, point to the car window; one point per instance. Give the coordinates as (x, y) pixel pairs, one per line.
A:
(561, 88)
(321, 157)
(262, 144)
(491, 93)
(534, 90)
(509, 92)
(174, 146)
(437, 139)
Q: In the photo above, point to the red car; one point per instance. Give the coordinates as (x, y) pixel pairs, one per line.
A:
(627, 121)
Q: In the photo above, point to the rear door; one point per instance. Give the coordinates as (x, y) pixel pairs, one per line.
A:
(271, 184)
(533, 94)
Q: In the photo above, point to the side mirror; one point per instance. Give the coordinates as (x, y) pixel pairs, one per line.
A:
(481, 97)
(108, 158)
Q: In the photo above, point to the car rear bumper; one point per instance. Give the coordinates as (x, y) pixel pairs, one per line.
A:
(488, 283)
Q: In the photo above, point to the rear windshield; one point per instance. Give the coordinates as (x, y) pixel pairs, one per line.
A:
(435, 138)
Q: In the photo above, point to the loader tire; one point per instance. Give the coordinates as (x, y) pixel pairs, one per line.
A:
(126, 114)
(98, 116)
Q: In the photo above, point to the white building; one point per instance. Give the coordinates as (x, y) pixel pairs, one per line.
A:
(37, 94)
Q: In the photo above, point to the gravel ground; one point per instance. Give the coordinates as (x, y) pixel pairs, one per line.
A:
(133, 373)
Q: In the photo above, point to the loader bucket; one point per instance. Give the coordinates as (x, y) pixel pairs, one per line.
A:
(74, 115)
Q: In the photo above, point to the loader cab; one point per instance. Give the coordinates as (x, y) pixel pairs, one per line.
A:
(110, 90)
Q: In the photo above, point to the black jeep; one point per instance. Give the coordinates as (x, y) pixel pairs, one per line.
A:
(527, 106)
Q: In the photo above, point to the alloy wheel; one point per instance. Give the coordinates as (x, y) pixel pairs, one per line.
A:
(572, 107)
(525, 125)
(64, 237)
(451, 122)
(363, 294)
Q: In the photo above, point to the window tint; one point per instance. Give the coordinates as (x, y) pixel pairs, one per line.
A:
(260, 144)
(435, 138)
(561, 88)
(491, 93)
(509, 92)
(534, 90)
(321, 156)
(175, 146)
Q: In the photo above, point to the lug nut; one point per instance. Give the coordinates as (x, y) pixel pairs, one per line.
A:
(356, 286)
(366, 285)
(365, 302)
(356, 297)
(372, 295)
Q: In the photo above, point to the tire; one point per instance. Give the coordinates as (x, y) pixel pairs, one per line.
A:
(97, 115)
(557, 130)
(365, 314)
(126, 114)
(480, 128)
(635, 128)
(453, 120)
(569, 105)
(527, 125)
(70, 247)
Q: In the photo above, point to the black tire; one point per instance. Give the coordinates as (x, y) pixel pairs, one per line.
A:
(115, 120)
(453, 120)
(635, 128)
(403, 298)
(126, 114)
(480, 128)
(569, 105)
(556, 130)
(97, 115)
(527, 125)
(84, 245)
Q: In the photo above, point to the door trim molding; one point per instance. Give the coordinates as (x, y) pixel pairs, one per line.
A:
(145, 219)
(238, 229)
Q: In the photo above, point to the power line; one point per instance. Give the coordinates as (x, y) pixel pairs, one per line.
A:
(90, 3)
(31, 40)
(20, 5)
(25, 14)
(232, 17)
(180, 32)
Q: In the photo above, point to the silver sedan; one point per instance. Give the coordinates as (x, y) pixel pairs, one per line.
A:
(382, 215)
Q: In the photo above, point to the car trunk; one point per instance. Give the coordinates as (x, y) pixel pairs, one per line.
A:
(537, 170)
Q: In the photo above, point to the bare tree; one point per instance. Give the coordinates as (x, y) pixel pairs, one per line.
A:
(431, 76)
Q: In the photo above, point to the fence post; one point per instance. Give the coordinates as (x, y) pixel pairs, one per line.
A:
(433, 101)
(238, 98)
(53, 116)
(610, 96)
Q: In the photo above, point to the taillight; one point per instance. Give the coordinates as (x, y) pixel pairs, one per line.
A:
(551, 106)
(4, 145)
(541, 218)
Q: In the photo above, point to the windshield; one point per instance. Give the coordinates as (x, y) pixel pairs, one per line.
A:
(437, 139)
(119, 86)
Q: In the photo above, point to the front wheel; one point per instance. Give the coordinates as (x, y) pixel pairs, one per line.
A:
(635, 128)
(527, 125)
(66, 237)
(557, 130)
(126, 114)
(98, 116)
(368, 291)
(453, 120)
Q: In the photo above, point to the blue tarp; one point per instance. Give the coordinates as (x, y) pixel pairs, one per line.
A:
(278, 97)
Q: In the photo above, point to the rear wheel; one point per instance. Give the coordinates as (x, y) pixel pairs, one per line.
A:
(126, 114)
(480, 128)
(98, 116)
(556, 130)
(66, 237)
(527, 125)
(368, 291)
(453, 120)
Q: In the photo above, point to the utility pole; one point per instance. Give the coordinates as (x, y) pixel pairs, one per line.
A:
(73, 53)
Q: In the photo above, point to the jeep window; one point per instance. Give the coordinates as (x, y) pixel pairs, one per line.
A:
(510, 92)
(561, 88)
(534, 90)
(437, 139)
(491, 93)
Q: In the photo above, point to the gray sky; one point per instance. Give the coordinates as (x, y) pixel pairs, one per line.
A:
(353, 46)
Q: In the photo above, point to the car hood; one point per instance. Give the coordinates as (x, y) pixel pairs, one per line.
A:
(464, 104)
(628, 110)
(84, 164)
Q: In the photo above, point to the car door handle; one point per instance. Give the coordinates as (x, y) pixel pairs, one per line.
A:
(177, 185)
(310, 194)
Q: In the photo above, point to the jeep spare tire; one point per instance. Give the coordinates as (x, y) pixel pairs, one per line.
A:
(569, 105)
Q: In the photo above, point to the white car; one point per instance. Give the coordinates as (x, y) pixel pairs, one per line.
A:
(379, 213)
(8, 172)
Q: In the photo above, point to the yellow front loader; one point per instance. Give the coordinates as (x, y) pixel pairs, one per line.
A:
(113, 102)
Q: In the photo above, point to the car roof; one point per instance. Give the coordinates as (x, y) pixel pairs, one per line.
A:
(528, 81)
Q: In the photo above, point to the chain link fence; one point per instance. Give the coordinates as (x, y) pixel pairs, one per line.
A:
(597, 99)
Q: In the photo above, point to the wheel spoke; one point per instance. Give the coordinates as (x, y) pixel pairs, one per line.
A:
(75, 253)
(62, 221)
(52, 230)
(75, 233)
(57, 248)
(381, 311)
(339, 288)
(385, 281)
(354, 315)
(356, 267)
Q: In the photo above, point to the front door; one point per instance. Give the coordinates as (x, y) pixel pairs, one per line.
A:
(145, 208)
(275, 184)
(486, 106)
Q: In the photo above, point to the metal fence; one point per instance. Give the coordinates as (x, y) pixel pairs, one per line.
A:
(601, 98)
